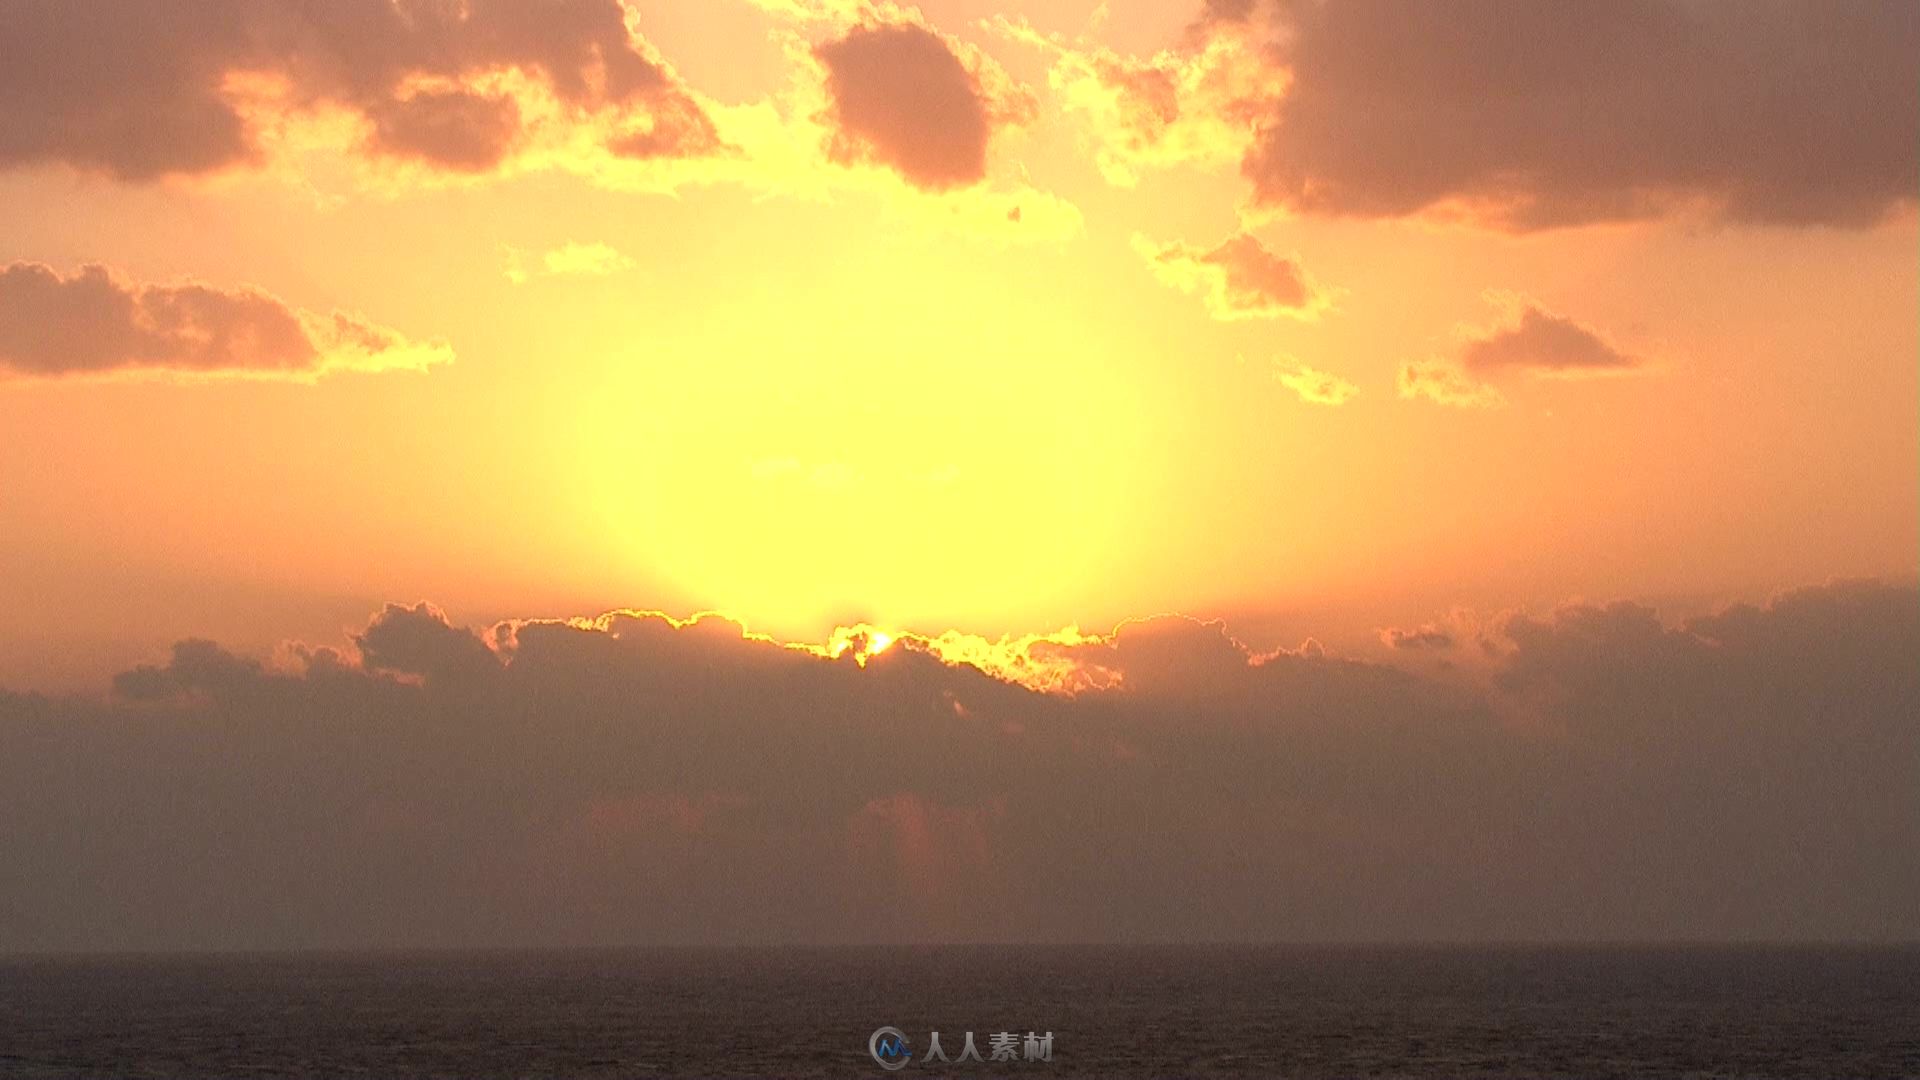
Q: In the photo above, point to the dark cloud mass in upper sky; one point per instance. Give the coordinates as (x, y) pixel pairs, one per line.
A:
(140, 89)
(1515, 114)
(1748, 775)
(1529, 114)
(902, 98)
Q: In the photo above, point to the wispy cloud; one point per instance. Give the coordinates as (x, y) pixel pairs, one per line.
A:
(1314, 386)
(572, 259)
(1239, 278)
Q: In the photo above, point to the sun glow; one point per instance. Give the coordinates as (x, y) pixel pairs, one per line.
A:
(805, 433)
(862, 641)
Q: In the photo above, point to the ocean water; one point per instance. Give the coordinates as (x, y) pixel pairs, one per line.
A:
(1113, 1012)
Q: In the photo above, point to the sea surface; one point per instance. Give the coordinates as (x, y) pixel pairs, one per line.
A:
(1113, 1012)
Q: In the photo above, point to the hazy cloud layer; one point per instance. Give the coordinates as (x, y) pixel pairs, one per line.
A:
(1526, 115)
(1746, 775)
(900, 95)
(92, 324)
(1239, 277)
(142, 90)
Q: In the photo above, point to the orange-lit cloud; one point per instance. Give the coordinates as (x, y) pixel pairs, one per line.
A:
(403, 98)
(1041, 662)
(844, 124)
(1238, 277)
(1523, 116)
(1443, 383)
(1181, 106)
(194, 88)
(1314, 386)
(571, 259)
(92, 324)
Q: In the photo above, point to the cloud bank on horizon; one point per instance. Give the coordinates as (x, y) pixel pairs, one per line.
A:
(1594, 774)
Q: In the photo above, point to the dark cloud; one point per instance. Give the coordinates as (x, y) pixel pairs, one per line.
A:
(418, 640)
(91, 324)
(197, 665)
(1746, 775)
(139, 90)
(1530, 339)
(454, 129)
(1524, 114)
(1542, 341)
(901, 97)
(1230, 11)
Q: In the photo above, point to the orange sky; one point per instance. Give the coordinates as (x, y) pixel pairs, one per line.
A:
(989, 317)
(1271, 470)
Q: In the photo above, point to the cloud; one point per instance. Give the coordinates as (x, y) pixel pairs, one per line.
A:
(1424, 637)
(591, 260)
(192, 88)
(1545, 343)
(1314, 386)
(390, 96)
(93, 324)
(1239, 277)
(197, 666)
(901, 95)
(453, 129)
(572, 259)
(632, 778)
(1520, 116)
(1227, 11)
(1443, 383)
(419, 640)
(1529, 339)
(1191, 106)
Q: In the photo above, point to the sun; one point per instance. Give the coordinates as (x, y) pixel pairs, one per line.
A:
(863, 641)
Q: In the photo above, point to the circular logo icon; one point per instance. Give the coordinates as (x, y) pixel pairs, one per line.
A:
(888, 1045)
